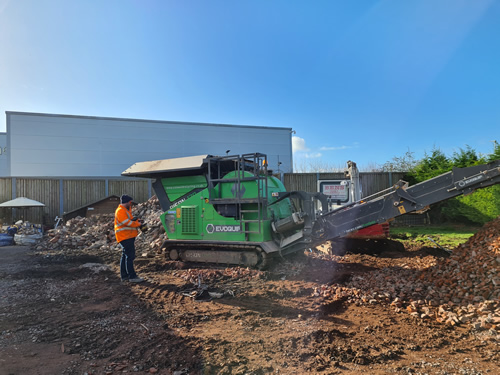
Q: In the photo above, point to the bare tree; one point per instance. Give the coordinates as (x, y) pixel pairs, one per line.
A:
(316, 165)
(320, 166)
(405, 163)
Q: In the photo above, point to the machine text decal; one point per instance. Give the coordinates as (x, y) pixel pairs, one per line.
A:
(181, 200)
(223, 228)
(469, 181)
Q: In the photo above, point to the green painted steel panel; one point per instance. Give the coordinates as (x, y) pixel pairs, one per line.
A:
(209, 225)
(176, 187)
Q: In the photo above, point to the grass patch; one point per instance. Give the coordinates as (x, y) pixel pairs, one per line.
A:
(446, 236)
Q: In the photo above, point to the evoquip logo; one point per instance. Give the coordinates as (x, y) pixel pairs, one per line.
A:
(223, 228)
(471, 180)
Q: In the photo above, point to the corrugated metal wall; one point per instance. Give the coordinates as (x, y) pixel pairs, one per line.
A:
(72, 193)
(371, 182)
(93, 146)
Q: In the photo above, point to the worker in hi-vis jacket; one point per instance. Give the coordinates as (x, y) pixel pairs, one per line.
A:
(126, 230)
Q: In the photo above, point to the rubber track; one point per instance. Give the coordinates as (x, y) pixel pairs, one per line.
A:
(265, 259)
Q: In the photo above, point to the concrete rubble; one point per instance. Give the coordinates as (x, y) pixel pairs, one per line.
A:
(460, 289)
(97, 232)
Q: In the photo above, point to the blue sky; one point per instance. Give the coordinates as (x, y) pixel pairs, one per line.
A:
(356, 80)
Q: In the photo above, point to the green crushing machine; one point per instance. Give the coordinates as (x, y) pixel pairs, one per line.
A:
(232, 210)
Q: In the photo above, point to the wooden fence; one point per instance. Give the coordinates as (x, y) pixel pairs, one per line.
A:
(64, 195)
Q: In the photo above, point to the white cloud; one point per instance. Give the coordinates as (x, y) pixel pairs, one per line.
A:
(299, 144)
(313, 155)
(333, 148)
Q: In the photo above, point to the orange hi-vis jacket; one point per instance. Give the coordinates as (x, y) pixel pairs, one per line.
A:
(125, 227)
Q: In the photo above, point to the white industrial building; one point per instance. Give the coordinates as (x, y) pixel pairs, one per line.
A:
(50, 145)
(3, 154)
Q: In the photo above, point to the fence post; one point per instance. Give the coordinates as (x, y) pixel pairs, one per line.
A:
(61, 197)
(14, 196)
(14, 193)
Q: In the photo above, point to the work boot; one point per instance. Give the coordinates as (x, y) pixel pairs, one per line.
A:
(136, 279)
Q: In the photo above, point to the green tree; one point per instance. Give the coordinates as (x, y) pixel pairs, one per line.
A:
(466, 158)
(484, 204)
(495, 155)
(477, 208)
(431, 166)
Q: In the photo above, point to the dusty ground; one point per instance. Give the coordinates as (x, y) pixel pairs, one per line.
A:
(67, 312)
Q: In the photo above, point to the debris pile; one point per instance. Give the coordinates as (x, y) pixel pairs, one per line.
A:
(470, 273)
(97, 232)
(466, 285)
(462, 288)
(150, 241)
(195, 276)
(80, 233)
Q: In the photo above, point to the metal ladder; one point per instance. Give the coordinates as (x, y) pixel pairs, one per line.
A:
(256, 165)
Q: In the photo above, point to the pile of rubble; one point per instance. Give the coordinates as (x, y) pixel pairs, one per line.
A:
(466, 284)
(461, 288)
(194, 276)
(97, 232)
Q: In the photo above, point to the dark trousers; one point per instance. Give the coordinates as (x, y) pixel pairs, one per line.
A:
(127, 260)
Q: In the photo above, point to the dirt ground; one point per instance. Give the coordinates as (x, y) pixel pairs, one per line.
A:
(67, 312)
